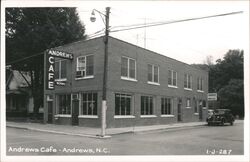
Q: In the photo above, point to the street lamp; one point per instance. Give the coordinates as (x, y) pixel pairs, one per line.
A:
(104, 92)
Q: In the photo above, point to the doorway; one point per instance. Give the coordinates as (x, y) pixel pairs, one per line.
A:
(179, 112)
(200, 110)
(50, 112)
(75, 112)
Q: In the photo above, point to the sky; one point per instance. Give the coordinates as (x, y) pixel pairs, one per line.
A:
(189, 42)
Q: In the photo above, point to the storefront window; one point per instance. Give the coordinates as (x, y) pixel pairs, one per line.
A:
(89, 104)
(122, 104)
(64, 104)
(146, 105)
(166, 106)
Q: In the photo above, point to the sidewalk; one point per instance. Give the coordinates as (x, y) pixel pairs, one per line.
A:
(95, 132)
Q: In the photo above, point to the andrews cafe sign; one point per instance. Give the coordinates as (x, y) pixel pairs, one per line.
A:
(50, 67)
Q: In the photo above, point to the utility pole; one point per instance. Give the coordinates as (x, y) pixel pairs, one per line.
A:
(104, 92)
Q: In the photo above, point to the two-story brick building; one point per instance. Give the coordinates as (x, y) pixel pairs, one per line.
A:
(143, 87)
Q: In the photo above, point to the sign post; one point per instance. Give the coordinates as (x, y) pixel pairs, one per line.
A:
(212, 97)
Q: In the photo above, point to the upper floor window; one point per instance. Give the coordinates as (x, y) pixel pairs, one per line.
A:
(188, 103)
(188, 81)
(153, 74)
(172, 78)
(85, 66)
(128, 68)
(199, 84)
(60, 69)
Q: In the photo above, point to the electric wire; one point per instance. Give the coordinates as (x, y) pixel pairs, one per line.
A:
(176, 21)
(138, 26)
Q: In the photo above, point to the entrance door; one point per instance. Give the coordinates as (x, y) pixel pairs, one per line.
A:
(200, 110)
(179, 112)
(75, 112)
(50, 111)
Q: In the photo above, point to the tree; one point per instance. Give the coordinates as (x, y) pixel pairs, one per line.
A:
(232, 96)
(30, 31)
(226, 78)
(209, 60)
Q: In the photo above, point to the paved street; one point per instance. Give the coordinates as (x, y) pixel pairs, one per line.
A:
(201, 140)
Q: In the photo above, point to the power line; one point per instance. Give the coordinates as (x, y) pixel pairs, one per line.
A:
(137, 26)
(25, 58)
(176, 21)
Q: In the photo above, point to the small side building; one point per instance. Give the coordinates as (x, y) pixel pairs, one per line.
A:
(143, 87)
(19, 102)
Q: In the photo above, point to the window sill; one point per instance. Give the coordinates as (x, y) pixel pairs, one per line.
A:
(82, 78)
(61, 80)
(200, 91)
(172, 86)
(148, 116)
(188, 107)
(88, 116)
(196, 113)
(204, 108)
(188, 89)
(154, 83)
(167, 116)
(129, 79)
(124, 116)
(63, 115)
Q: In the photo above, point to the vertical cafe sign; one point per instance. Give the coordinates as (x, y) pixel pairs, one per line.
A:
(50, 66)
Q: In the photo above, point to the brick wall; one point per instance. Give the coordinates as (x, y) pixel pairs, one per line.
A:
(117, 49)
(143, 57)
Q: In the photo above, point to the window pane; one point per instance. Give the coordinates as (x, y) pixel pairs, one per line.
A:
(132, 68)
(162, 106)
(150, 77)
(63, 68)
(128, 105)
(198, 83)
(142, 105)
(169, 77)
(84, 104)
(156, 74)
(95, 103)
(146, 105)
(151, 105)
(169, 106)
(124, 68)
(174, 78)
(201, 87)
(123, 103)
(90, 65)
(185, 80)
(90, 103)
(81, 64)
(189, 81)
(117, 104)
(56, 70)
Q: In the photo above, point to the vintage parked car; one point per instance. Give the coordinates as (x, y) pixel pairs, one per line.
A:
(210, 112)
(221, 116)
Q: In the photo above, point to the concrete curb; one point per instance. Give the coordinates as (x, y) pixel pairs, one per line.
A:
(63, 133)
(159, 129)
(111, 134)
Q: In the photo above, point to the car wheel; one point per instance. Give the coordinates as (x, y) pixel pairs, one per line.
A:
(232, 123)
(209, 124)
